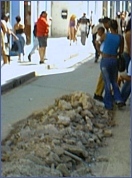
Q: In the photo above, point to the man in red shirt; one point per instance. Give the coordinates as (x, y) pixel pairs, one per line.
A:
(42, 34)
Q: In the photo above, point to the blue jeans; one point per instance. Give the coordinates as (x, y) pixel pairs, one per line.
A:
(127, 59)
(109, 71)
(35, 45)
(21, 43)
(126, 90)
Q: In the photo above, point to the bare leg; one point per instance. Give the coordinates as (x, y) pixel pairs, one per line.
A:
(42, 51)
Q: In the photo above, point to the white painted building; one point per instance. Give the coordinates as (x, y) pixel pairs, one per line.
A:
(56, 9)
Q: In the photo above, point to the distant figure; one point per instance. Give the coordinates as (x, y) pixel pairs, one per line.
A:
(28, 28)
(42, 35)
(72, 29)
(35, 42)
(123, 22)
(9, 26)
(118, 19)
(19, 31)
(5, 33)
(84, 24)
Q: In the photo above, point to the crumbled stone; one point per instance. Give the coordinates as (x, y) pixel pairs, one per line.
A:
(61, 140)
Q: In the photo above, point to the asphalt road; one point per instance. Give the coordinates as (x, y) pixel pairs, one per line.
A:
(40, 92)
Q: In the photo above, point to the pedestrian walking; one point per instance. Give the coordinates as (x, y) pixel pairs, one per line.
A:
(72, 29)
(42, 35)
(84, 24)
(19, 31)
(108, 66)
(35, 42)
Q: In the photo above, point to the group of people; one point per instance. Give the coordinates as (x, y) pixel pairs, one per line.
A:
(109, 43)
(83, 24)
(19, 41)
(17, 33)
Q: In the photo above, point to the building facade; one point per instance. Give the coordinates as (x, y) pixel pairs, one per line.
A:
(60, 11)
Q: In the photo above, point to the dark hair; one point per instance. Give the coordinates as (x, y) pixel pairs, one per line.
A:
(106, 19)
(18, 19)
(43, 12)
(100, 20)
(113, 24)
(102, 29)
(128, 27)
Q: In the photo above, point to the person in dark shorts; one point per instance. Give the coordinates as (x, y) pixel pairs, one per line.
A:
(42, 34)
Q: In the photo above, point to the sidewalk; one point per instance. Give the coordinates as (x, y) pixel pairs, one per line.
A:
(60, 55)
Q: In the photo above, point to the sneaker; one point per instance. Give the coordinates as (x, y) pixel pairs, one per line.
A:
(97, 97)
(29, 57)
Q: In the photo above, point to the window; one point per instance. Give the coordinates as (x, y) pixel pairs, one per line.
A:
(5, 6)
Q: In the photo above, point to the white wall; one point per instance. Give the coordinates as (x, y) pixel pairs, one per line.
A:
(60, 26)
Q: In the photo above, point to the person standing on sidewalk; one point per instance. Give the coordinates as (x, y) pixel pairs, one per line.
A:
(126, 89)
(19, 31)
(42, 35)
(84, 24)
(5, 32)
(100, 84)
(36, 43)
(108, 65)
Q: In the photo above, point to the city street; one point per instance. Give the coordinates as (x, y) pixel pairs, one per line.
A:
(72, 68)
(60, 56)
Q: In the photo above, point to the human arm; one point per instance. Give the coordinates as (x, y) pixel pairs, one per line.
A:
(127, 76)
(128, 41)
(121, 47)
(13, 34)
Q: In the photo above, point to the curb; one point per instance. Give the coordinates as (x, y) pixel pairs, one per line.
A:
(17, 82)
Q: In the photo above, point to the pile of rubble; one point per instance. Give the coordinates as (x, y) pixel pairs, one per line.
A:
(62, 140)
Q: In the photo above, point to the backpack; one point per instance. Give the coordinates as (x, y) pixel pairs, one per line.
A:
(35, 30)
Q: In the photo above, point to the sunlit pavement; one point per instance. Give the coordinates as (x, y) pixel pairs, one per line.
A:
(61, 58)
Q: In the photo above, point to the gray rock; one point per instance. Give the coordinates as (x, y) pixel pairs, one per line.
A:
(63, 169)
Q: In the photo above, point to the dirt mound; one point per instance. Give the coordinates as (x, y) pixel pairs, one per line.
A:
(62, 140)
